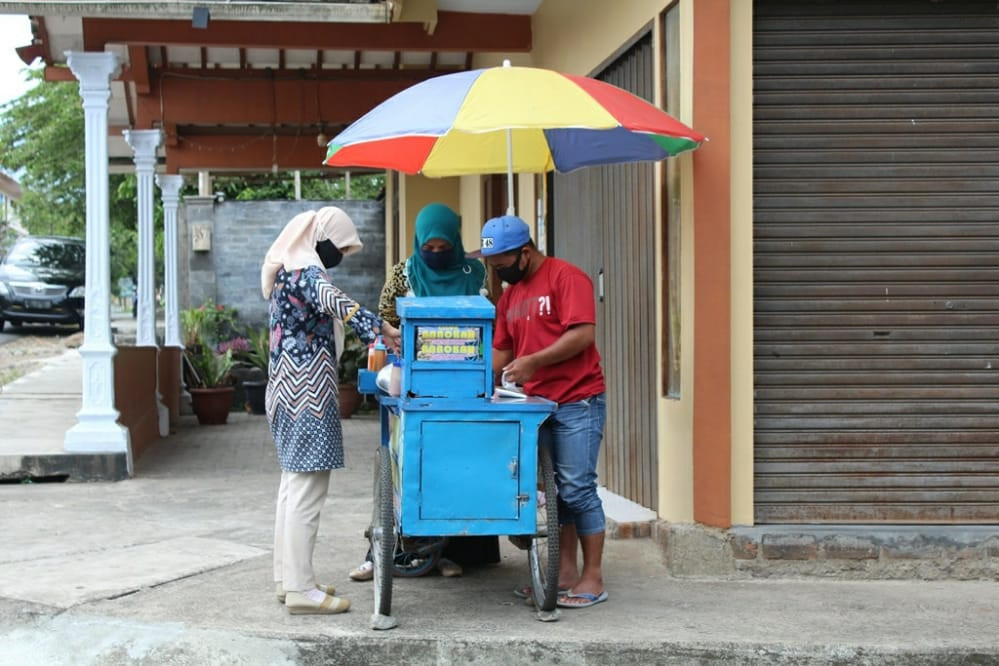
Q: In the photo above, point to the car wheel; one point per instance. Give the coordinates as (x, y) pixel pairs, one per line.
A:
(2, 323)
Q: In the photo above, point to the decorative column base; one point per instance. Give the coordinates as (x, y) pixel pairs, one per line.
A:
(97, 433)
(97, 429)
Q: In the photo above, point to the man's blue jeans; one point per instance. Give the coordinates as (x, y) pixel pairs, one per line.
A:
(573, 434)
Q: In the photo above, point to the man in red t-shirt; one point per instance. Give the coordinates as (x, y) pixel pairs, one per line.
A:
(544, 339)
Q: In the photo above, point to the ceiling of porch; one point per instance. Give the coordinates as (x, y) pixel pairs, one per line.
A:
(255, 86)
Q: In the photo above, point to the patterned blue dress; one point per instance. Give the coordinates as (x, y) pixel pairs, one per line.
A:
(302, 390)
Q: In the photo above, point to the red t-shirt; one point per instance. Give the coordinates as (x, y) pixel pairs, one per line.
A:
(534, 313)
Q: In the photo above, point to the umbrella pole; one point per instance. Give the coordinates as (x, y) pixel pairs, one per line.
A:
(509, 172)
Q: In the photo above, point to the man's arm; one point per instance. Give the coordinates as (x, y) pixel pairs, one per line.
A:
(572, 342)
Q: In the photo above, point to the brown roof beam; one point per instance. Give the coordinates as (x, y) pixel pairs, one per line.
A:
(260, 101)
(407, 76)
(244, 153)
(456, 32)
(139, 64)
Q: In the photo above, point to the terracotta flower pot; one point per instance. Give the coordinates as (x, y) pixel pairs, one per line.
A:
(211, 405)
(349, 400)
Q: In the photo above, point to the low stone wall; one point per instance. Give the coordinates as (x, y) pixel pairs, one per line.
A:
(169, 382)
(861, 552)
(926, 552)
(135, 396)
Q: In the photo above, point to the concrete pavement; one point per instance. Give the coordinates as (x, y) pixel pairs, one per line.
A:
(173, 567)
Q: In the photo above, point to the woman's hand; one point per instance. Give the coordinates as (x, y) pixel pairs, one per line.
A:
(392, 336)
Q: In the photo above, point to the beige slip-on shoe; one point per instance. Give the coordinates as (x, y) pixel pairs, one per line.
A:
(279, 590)
(299, 604)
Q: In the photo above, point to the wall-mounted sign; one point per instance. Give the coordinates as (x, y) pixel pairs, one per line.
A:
(448, 343)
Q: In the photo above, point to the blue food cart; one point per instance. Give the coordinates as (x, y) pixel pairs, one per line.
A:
(457, 458)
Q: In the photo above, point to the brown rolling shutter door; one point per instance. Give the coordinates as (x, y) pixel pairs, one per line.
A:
(603, 220)
(876, 261)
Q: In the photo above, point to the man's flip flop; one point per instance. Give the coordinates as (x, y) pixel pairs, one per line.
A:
(590, 599)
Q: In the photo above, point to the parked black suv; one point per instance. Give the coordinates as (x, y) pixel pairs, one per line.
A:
(42, 280)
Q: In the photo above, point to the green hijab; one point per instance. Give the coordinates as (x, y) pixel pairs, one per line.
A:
(463, 277)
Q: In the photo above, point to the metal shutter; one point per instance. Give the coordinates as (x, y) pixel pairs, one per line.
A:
(603, 220)
(876, 252)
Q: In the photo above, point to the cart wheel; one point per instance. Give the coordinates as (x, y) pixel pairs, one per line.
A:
(383, 541)
(417, 556)
(543, 554)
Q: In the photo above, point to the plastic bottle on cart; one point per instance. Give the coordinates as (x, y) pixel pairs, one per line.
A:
(371, 357)
(380, 353)
(395, 379)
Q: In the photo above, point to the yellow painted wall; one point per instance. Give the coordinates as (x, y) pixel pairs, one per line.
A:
(742, 260)
(470, 194)
(676, 415)
(578, 36)
(415, 192)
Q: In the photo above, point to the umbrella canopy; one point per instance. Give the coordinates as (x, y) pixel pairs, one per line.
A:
(512, 120)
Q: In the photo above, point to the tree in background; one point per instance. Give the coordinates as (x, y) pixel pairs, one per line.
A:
(43, 132)
(316, 186)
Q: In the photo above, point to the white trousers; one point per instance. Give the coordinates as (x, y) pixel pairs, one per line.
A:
(300, 499)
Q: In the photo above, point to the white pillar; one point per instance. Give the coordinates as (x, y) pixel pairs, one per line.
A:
(97, 429)
(205, 184)
(144, 144)
(170, 191)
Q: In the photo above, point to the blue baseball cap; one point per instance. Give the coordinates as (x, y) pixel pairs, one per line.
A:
(502, 234)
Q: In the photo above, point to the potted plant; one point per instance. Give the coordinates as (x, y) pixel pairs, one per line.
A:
(258, 356)
(353, 358)
(209, 375)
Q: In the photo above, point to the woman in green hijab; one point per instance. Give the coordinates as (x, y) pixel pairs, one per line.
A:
(438, 267)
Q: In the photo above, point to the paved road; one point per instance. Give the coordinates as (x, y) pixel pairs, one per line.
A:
(11, 333)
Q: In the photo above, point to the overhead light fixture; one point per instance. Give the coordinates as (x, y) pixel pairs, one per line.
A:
(201, 17)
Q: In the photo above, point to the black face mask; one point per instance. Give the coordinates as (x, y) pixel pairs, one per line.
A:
(328, 253)
(513, 273)
(437, 260)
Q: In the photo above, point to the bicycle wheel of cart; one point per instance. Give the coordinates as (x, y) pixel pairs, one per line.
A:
(417, 556)
(543, 554)
(383, 534)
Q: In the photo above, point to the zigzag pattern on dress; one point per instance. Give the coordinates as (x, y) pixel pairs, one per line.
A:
(336, 301)
(304, 388)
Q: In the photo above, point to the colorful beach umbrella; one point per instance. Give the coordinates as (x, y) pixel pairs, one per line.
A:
(509, 120)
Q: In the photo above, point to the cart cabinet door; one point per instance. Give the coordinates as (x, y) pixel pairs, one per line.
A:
(470, 470)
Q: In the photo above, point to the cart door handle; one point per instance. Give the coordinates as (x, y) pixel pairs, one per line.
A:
(514, 468)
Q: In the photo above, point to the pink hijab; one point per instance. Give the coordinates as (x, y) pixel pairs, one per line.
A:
(295, 246)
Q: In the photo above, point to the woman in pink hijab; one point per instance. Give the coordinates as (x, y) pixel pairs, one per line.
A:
(307, 318)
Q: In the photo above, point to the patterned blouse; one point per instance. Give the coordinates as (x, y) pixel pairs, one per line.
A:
(302, 389)
(397, 286)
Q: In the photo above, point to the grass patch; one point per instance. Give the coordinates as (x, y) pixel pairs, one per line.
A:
(9, 375)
